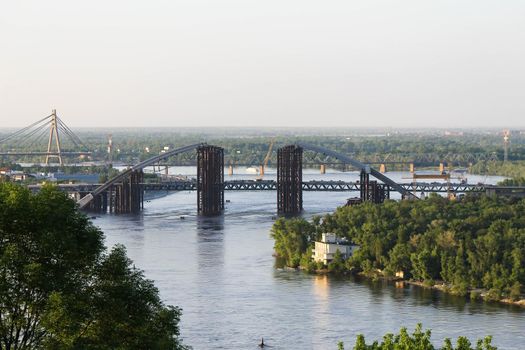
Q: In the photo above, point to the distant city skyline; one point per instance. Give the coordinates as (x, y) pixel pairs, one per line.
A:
(248, 63)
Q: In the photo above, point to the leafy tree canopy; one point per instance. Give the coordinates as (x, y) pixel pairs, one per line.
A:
(59, 289)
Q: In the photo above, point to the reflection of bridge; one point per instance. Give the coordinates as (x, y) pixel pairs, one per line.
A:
(125, 192)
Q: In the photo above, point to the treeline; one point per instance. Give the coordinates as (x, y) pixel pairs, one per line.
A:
(472, 245)
(130, 145)
(516, 181)
(510, 169)
(419, 340)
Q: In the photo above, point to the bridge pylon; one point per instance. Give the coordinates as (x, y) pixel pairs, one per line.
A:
(289, 179)
(210, 180)
(53, 134)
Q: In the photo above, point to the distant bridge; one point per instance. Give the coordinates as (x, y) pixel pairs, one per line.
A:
(308, 186)
(210, 184)
(50, 128)
(125, 192)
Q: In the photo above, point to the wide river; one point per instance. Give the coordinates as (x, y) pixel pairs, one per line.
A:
(221, 272)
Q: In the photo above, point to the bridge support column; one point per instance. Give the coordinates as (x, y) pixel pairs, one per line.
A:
(323, 169)
(382, 168)
(230, 170)
(412, 169)
(210, 180)
(99, 204)
(372, 191)
(442, 167)
(129, 195)
(364, 180)
(289, 179)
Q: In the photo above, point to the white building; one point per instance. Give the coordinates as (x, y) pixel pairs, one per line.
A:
(325, 250)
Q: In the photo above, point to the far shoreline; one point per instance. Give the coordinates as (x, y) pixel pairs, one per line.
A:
(441, 287)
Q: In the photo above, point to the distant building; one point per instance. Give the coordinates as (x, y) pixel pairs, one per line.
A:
(325, 250)
(18, 176)
(79, 178)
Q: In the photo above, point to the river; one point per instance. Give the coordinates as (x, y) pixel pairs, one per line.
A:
(221, 272)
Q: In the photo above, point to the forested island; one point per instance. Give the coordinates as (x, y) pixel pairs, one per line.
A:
(470, 247)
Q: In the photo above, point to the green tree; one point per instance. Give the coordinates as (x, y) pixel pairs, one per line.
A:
(419, 340)
(59, 290)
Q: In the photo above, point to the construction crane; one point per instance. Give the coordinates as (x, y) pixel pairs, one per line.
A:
(265, 161)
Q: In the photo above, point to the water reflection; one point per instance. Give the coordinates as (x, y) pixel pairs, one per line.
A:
(210, 242)
(321, 314)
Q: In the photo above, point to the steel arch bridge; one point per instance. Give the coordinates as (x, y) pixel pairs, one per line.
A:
(86, 200)
(82, 202)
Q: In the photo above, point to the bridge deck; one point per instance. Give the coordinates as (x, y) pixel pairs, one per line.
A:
(317, 186)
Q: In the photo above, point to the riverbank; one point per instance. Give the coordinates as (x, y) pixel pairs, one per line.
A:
(472, 294)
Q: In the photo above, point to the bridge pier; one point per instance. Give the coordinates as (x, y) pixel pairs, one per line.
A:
(129, 195)
(289, 179)
(382, 168)
(323, 169)
(372, 191)
(99, 204)
(412, 169)
(210, 180)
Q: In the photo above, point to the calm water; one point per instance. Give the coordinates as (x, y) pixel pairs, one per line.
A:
(221, 272)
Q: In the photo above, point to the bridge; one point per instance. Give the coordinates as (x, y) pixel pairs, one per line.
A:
(125, 192)
(50, 128)
(307, 186)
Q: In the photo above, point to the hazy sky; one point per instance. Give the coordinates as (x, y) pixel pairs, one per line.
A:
(266, 62)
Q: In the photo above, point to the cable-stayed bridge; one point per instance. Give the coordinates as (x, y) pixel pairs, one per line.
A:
(48, 137)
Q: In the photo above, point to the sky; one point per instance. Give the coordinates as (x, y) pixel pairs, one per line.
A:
(310, 63)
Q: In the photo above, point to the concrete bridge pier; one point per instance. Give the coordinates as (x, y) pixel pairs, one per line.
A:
(210, 180)
(289, 179)
(412, 168)
(323, 169)
(382, 168)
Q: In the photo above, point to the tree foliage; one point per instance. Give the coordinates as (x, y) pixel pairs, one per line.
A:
(60, 290)
(419, 340)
